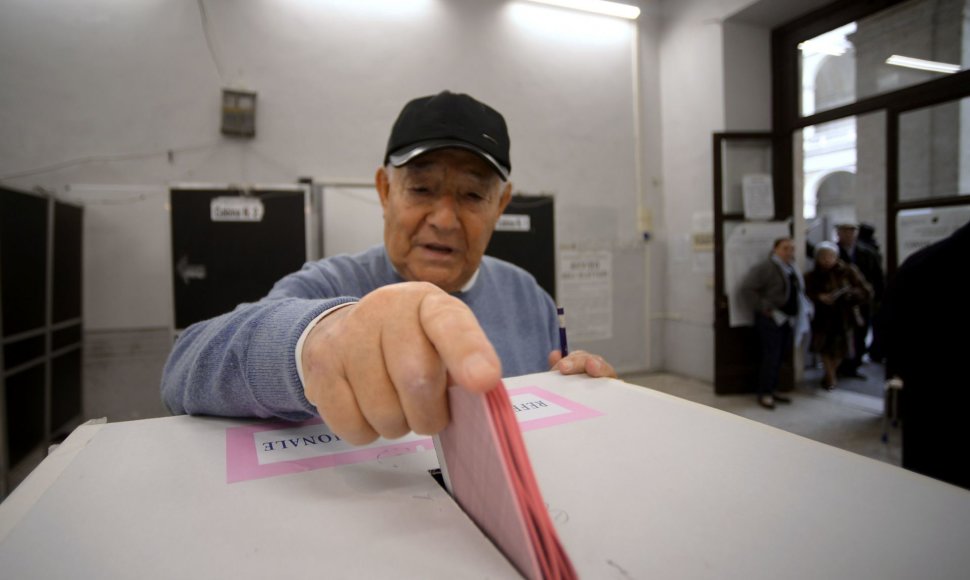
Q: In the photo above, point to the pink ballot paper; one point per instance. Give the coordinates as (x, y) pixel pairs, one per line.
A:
(486, 468)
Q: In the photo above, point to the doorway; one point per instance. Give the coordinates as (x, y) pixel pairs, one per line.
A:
(840, 176)
(871, 127)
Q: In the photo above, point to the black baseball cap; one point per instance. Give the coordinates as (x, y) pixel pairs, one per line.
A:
(449, 120)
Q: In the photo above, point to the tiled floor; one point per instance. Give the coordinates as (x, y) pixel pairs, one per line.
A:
(840, 418)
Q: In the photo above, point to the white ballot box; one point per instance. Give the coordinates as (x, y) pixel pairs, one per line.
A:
(638, 484)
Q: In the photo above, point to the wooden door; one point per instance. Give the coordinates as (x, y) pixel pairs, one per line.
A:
(741, 238)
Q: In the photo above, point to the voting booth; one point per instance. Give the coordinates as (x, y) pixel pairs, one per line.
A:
(231, 244)
(526, 236)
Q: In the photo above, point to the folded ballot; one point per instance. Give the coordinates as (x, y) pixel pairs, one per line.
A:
(486, 469)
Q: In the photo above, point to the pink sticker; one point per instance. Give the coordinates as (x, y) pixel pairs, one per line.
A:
(271, 449)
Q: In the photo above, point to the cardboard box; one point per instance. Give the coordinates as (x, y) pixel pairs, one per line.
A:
(639, 484)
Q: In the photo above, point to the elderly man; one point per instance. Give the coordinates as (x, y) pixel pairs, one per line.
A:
(869, 263)
(775, 289)
(370, 342)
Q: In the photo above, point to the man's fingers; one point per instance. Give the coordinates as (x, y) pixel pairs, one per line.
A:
(417, 372)
(554, 357)
(325, 385)
(338, 409)
(382, 367)
(366, 372)
(596, 366)
(572, 364)
(376, 396)
(580, 361)
(457, 337)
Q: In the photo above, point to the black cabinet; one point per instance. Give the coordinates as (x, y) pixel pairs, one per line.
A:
(526, 236)
(40, 325)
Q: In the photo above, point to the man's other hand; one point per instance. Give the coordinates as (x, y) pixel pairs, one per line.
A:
(381, 367)
(580, 361)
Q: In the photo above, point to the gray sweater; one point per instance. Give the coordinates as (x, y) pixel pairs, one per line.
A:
(243, 364)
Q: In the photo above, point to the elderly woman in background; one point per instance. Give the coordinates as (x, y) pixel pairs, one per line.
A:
(837, 289)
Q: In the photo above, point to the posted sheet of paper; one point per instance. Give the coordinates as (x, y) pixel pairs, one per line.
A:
(919, 228)
(586, 288)
(759, 196)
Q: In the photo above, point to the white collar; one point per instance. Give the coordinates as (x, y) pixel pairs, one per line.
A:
(468, 285)
(471, 281)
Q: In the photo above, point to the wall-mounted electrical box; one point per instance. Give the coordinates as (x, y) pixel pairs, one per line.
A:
(238, 113)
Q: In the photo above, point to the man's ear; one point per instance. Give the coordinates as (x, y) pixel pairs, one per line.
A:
(383, 183)
(506, 197)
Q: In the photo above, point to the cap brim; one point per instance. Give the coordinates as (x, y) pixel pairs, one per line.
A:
(406, 154)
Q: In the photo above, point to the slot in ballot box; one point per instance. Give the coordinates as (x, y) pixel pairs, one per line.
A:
(638, 484)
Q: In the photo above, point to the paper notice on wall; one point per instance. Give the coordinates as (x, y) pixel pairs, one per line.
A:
(759, 196)
(918, 228)
(747, 244)
(586, 292)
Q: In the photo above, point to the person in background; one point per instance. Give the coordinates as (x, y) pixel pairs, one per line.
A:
(776, 290)
(867, 238)
(869, 263)
(927, 314)
(371, 342)
(837, 289)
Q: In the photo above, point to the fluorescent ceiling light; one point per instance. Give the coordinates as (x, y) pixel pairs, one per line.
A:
(918, 63)
(597, 6)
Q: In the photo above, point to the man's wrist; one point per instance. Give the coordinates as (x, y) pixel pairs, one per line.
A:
(306, 332)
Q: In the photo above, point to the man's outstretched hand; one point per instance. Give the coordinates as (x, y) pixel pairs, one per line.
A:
(381, 367)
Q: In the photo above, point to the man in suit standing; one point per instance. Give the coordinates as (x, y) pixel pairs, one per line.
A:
(870, 264)
(774, 288)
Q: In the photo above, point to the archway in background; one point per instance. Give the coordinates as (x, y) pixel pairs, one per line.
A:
(836, 203)
(835, 82)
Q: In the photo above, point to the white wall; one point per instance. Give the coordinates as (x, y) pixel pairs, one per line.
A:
(107, 94)
(747, 77)
(105, 99)
(651, 179)
(714, 76)
(692, 108)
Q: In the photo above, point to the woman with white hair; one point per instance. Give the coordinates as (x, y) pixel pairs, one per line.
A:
(837, 289)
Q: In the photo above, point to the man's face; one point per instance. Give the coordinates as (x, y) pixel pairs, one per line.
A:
(786, 251)
(439, 213)
(846, 236)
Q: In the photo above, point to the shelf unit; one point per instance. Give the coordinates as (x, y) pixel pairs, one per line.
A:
(40, 326)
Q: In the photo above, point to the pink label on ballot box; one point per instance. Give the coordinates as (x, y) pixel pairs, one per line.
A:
(269, 449)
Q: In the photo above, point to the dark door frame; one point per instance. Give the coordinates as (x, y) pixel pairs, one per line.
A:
(786, 119)
(736, 352)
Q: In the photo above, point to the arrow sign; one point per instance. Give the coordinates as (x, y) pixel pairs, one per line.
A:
(188, 271)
